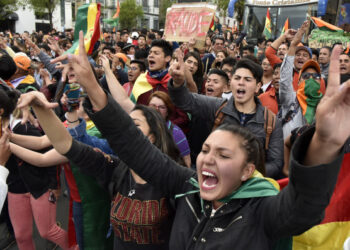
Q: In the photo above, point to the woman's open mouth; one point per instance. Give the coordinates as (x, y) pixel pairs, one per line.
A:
(210, 180)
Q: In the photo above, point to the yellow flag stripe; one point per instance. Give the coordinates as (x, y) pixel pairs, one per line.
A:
(91, 19)
(141, 86)
(325, 236)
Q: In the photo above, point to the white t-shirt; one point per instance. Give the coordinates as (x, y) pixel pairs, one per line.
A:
(3, 186)
(265, 86)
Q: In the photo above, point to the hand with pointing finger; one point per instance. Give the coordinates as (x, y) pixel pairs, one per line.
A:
(332, 117)
(80, 65)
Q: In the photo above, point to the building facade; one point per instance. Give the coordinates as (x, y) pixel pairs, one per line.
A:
(65, 13)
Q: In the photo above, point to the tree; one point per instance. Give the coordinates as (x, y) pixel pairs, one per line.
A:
(239, 9)
(223, 5)
(7, 7)
(129, 12)
(42, 7)
(164, 5)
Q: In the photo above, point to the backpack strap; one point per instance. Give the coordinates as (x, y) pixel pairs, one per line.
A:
(269, 125)
(219, 116)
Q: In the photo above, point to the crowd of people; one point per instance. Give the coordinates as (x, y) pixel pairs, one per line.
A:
(166, 145)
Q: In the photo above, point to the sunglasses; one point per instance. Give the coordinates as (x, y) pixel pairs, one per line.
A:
(307, 75)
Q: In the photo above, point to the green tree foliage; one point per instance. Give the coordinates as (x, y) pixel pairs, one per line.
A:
(7, 7)
(42, 7)
(129, 12)
(164, 5)
(239, 9)
(222, 6)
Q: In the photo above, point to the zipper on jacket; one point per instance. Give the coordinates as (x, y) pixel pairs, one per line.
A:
(191, 207)
(219, 229)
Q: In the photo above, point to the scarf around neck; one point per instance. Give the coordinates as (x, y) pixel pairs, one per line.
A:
(256, 186)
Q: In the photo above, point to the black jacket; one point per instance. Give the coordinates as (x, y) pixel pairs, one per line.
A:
(25, 177)
(204, 108)
(256, 223)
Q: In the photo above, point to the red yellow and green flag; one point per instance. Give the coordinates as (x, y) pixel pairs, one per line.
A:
(145, 83)
(267, 30)
(212, 25)
(88, 20)
(285, 26)
(332, 232)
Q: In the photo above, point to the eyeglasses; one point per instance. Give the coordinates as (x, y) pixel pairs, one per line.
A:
(307, 75)
(158, 107)
(133, 68)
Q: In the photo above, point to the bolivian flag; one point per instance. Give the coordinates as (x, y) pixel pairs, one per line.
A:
(145, 83)
(335, 227)
(285, 26)
(88, 20)
(267, 30)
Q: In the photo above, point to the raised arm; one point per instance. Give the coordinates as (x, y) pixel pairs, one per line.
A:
(123, 136)
(30, 142)
(315, 162)
(286, 91)
(86, 77)
(53, 127)
(198, 105)
(48, 159)
(85, 157)
(297, 38)
(115, 87)
(190, 83)
(271, 51)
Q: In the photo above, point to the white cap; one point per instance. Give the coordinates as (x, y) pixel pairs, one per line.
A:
(135, 35)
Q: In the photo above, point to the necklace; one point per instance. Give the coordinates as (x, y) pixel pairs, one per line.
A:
(131, 187)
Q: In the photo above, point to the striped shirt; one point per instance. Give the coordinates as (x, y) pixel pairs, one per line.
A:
(179, 138)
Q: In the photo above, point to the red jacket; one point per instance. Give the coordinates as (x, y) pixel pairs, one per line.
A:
(269, 100)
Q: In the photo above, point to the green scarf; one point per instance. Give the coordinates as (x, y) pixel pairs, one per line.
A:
(309, 95)
(254, 187)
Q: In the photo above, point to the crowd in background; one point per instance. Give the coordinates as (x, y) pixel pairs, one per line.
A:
(177, 94)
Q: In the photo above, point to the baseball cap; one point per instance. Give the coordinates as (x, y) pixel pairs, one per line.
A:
(310, 64)
(122, 56)
(307, 49)
(135, 35)
(22, 61)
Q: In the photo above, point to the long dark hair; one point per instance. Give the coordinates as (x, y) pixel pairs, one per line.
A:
(8, 100)
(163, 139)
(250, 144)
(198, 76)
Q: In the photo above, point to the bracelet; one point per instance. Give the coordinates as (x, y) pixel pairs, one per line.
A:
(65, 115)
(273, 47)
